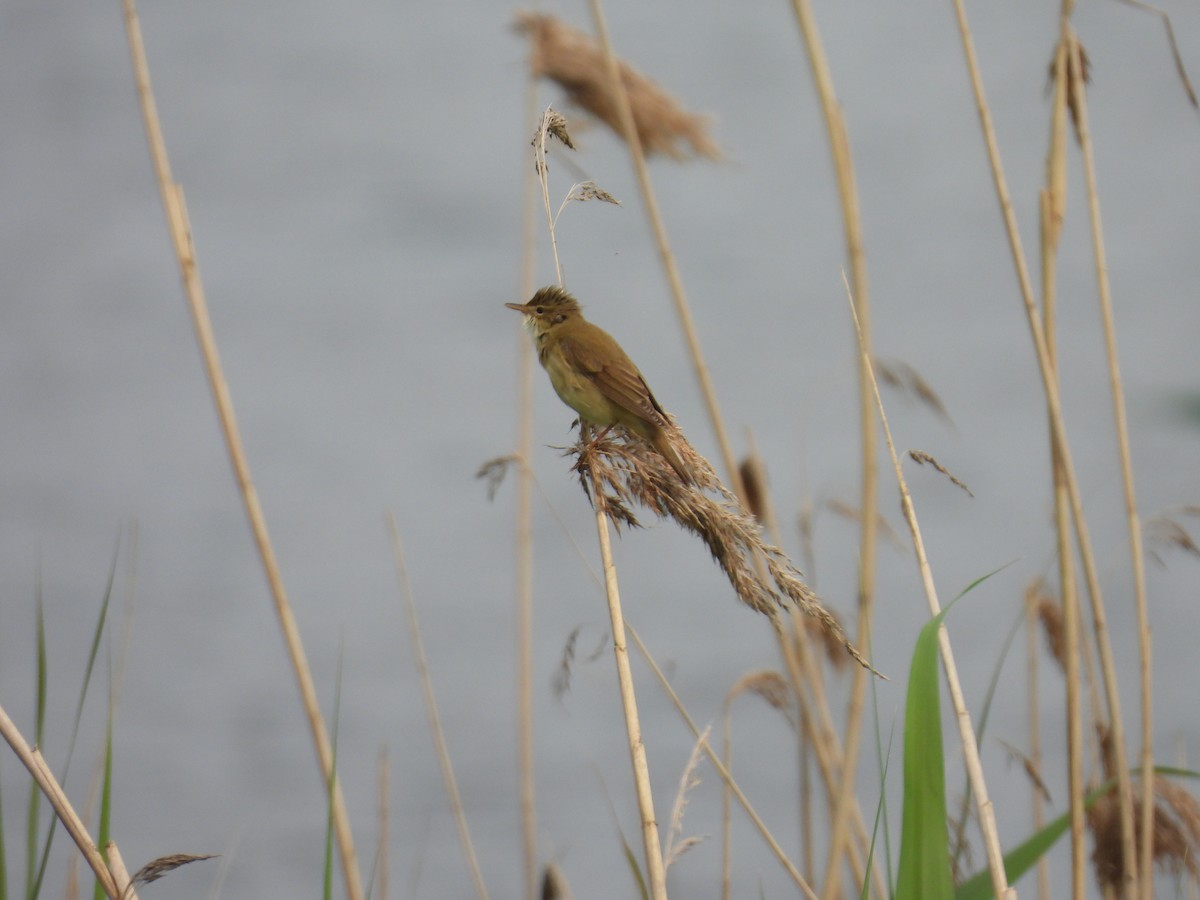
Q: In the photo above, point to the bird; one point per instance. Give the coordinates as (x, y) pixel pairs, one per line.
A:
(594, 376)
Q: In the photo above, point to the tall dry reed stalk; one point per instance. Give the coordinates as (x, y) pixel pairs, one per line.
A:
(523, 547)
(431, 711)
(1078, 91)
(553, 124)
(1062, 454)
(824, 736)
(839, 142)
(1053, 206)
(1033, 598)
(33, 761)
(181, 239)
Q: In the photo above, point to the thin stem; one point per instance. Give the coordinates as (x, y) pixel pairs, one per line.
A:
(383, 826)
(539, 154)
(726, 802)
(1053, 209)
(31, 758)
(524, 538)
(655, 872)
(431, 709)
(120, 874)
(722, 770)
(181, 238)
(835, 127)
(1079, 91)
(974, 765)
(1035, 734)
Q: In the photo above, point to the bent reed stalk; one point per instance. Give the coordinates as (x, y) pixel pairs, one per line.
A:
(181, 239)
(971, 759)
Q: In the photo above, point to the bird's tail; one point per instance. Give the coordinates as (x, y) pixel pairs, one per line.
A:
(664, 442)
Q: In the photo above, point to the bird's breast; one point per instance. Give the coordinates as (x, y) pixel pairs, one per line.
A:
(576, 389)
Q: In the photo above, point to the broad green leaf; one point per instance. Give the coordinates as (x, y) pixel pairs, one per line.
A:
(924, 842)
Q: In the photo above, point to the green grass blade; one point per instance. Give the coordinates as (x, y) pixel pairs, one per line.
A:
(93, 652)
(924, 872)
(880, 817)
(631, 860)
(97, 634)
(104, 829)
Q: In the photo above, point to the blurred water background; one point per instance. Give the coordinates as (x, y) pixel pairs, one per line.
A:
(353, 176)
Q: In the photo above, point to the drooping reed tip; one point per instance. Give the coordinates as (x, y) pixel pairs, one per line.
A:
(575, 61)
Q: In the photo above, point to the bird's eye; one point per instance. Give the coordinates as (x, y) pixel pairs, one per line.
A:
(540, 310)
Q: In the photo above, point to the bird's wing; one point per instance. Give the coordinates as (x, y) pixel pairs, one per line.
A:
(616, 376)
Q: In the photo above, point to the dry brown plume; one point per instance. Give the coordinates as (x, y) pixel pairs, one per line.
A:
(770, 686)
(630, 473)
(920, 457)
(754, 484)
(1167, 533)
(157, 868)
(554, 884)
(575, 62)
(1050, 613)
(1030, 767)
(827, 639)
(903, 377)
(1176, 833)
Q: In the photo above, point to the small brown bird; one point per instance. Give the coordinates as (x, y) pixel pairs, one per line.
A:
(593, 375)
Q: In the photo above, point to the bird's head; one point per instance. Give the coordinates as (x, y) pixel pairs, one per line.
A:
(549, 307)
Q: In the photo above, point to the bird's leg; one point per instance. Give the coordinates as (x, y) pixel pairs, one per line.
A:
(598, 438)
(588, 442)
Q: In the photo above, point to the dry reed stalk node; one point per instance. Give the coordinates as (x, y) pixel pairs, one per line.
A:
(621, 474)
(1176, 837)
(576, 62)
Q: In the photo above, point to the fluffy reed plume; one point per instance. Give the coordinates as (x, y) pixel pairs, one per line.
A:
(1050, 614)
(920, 457)
(753, 482)
(907, 380)
(830, 642)
(770, 686)
(561, 682)
(157, 868)
(1031, 769)
(1166, 533)
(576, 63)
(1176, 833)
(631, 473)
(554, 884)
(677, 845)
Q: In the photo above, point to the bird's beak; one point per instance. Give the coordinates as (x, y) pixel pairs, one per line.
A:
(519, 307)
